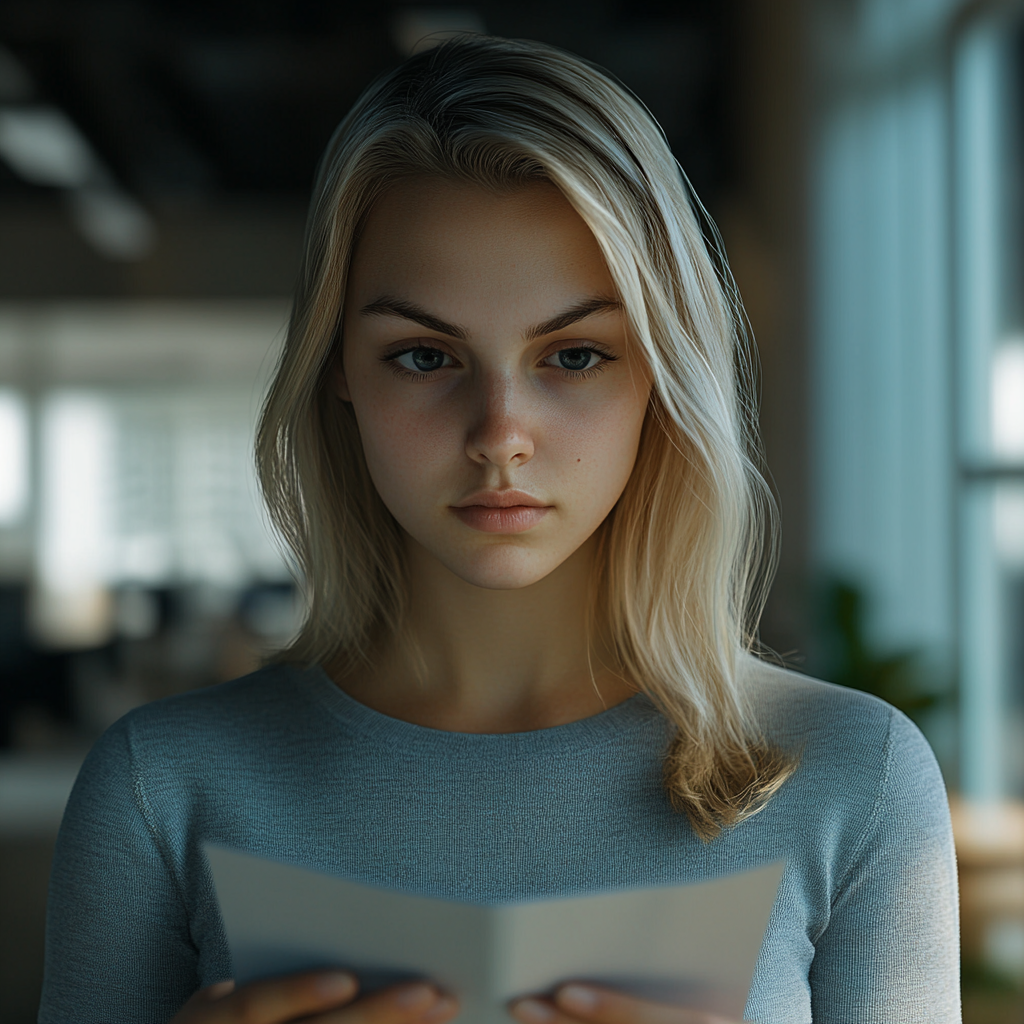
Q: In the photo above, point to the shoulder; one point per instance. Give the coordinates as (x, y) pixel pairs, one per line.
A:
(207, 723)
(848, 741)
(793, 708)
(790, 702)
(193, 753)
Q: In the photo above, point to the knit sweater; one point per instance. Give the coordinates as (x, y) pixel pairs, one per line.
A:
(284, 764)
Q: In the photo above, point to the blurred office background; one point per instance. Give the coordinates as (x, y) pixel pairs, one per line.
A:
(863, 161)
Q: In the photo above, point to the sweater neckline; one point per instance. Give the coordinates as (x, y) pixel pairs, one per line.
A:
(376, 727)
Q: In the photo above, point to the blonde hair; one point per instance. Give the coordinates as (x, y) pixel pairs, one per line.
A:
(688, 552)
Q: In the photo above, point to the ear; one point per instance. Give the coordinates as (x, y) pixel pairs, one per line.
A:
(338, 383)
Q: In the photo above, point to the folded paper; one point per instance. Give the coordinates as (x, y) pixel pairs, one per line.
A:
(689, 945)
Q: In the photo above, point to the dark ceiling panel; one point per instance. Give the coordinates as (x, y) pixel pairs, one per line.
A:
(188, 101)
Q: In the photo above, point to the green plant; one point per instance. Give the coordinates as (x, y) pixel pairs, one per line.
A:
(850, 660)
(976, 976)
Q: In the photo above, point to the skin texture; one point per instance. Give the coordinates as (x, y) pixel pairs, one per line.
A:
(300, 997)
(500, 412)
(498, 616)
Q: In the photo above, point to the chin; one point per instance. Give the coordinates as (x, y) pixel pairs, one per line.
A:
(507, 571)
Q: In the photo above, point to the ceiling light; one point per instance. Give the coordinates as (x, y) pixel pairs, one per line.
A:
(43, 146)
(113, 222)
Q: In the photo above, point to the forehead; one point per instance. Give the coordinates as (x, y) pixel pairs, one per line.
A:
(432, 240)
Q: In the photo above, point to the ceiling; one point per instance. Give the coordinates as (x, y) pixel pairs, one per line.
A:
(194, 101)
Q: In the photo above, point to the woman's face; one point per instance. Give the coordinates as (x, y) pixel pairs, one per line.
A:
(487, 362)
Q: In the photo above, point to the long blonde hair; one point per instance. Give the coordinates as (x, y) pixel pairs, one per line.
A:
(688, 552)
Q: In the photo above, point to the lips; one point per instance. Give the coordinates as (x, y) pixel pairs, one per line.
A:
(501, 511)
(502, 499)
(513, 519)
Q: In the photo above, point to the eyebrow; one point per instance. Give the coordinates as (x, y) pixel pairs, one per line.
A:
(386, 305)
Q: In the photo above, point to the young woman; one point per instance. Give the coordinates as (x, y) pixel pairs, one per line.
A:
(510, 442)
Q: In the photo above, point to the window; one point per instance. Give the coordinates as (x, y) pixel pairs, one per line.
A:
(988, 133)
(142, 419)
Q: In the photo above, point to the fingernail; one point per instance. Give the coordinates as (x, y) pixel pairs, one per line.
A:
(415, 997)
(534, 1010)
(336, 984)
(577, 997)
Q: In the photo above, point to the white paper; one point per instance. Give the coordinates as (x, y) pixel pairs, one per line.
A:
(689, 945)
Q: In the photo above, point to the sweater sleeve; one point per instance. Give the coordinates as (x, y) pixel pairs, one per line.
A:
(890, 952)
(118, 947)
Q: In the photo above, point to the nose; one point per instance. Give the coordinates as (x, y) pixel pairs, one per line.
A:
(499, 434)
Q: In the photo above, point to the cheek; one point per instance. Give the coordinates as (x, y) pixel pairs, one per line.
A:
(402, 445)
(612, 426)
(597, 449)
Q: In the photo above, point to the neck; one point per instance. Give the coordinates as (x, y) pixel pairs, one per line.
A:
(477, 660)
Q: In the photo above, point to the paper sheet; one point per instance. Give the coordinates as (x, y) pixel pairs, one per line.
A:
(690, 945)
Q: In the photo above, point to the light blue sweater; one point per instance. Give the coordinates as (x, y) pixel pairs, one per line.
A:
(284, 764)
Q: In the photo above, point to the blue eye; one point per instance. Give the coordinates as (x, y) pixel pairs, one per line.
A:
(423, 360)
(576, 359)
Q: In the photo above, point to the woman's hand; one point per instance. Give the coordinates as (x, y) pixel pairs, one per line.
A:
(596, 1005)
(308, 997)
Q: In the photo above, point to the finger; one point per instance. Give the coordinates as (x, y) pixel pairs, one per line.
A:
(534, 1010)
(275, 1000)
(446, 1008)
(401, 1004)
(607, 1006)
